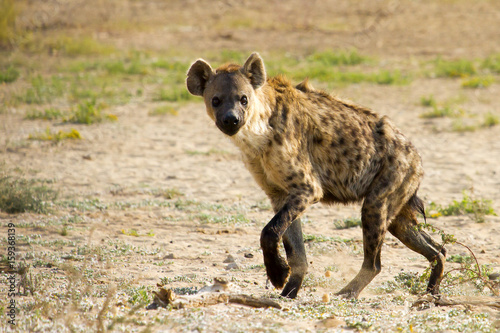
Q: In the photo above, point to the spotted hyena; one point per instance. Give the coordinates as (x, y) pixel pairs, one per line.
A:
(304, 146)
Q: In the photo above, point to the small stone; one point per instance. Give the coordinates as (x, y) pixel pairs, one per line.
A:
(229, 259)
(170, 256)
(248, 255)
(232, 265)
(483, 251)
(494, 276)
(328, 273)
(325, 298)
(332, 322)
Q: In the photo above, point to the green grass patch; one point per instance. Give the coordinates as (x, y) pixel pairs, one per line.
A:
(454, 68)
(322, 239)
(61, 135)
(491, 120)
(169, 193)
(89, 112)
(478, 82)
(47, 114)
(19, 195)
(9, 75)
(79, 46)
(174, 94)
(410, 281)
(337, 58)
(230, 219)
(350, 222)
(459, 125)
(43, 90)
(133, 67)
(428, 101)
(476, 208)
(163, 111)
(440, 112)
(492, 63)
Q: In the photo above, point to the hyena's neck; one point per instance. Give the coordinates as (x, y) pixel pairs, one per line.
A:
(253, 137)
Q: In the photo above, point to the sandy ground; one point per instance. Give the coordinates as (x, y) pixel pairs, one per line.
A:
(122, 164)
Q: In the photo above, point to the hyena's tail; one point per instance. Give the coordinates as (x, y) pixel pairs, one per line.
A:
(418, 205)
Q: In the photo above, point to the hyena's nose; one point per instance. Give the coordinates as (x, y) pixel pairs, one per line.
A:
(229, 123)
(230, 120)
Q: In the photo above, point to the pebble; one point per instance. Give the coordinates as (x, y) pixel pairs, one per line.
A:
(232, 265)
(229, 259)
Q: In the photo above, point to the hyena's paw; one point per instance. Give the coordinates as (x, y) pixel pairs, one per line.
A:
(277, 271)
(348, 293)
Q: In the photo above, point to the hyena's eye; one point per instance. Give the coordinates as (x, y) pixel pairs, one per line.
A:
(244, 100)
(215, 102)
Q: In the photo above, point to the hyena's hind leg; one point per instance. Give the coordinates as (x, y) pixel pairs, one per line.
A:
(403, 227)
(296, 256)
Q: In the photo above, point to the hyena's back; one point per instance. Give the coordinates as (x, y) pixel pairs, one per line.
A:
(347, 144)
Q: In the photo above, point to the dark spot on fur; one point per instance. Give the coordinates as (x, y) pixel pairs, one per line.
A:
(353, 132)
(345, 152)
(358, 157)
(341, 141)
(390, 159)
(356, 142)
(284, 114)
(278, 139)
(317, 139)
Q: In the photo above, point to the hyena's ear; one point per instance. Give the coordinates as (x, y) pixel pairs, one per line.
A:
(254, 69)
(197, 77)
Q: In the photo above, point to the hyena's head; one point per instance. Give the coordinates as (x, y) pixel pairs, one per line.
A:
(229, 91)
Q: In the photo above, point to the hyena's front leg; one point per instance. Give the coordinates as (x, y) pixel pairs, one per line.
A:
(296, 257)
(276, 266)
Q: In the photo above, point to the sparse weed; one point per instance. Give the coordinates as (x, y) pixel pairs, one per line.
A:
(350, 222)
(478, 82)
(8, 75)
(61, 135)
(492, 63)
(476, 208)
(438, 112)
(428, 101)
(454, 68)
(337, 58)
(42, 90)
(231, 219)
(83, 46)
(410, 281)
(135, 233)
(47, 114)
(139, 295)
(321, 239)
(460, 126)
(135, 67)
(490, 120)
(173, 94)
(89, 112)
(19, 195)
(163, 110)
(169, 193)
